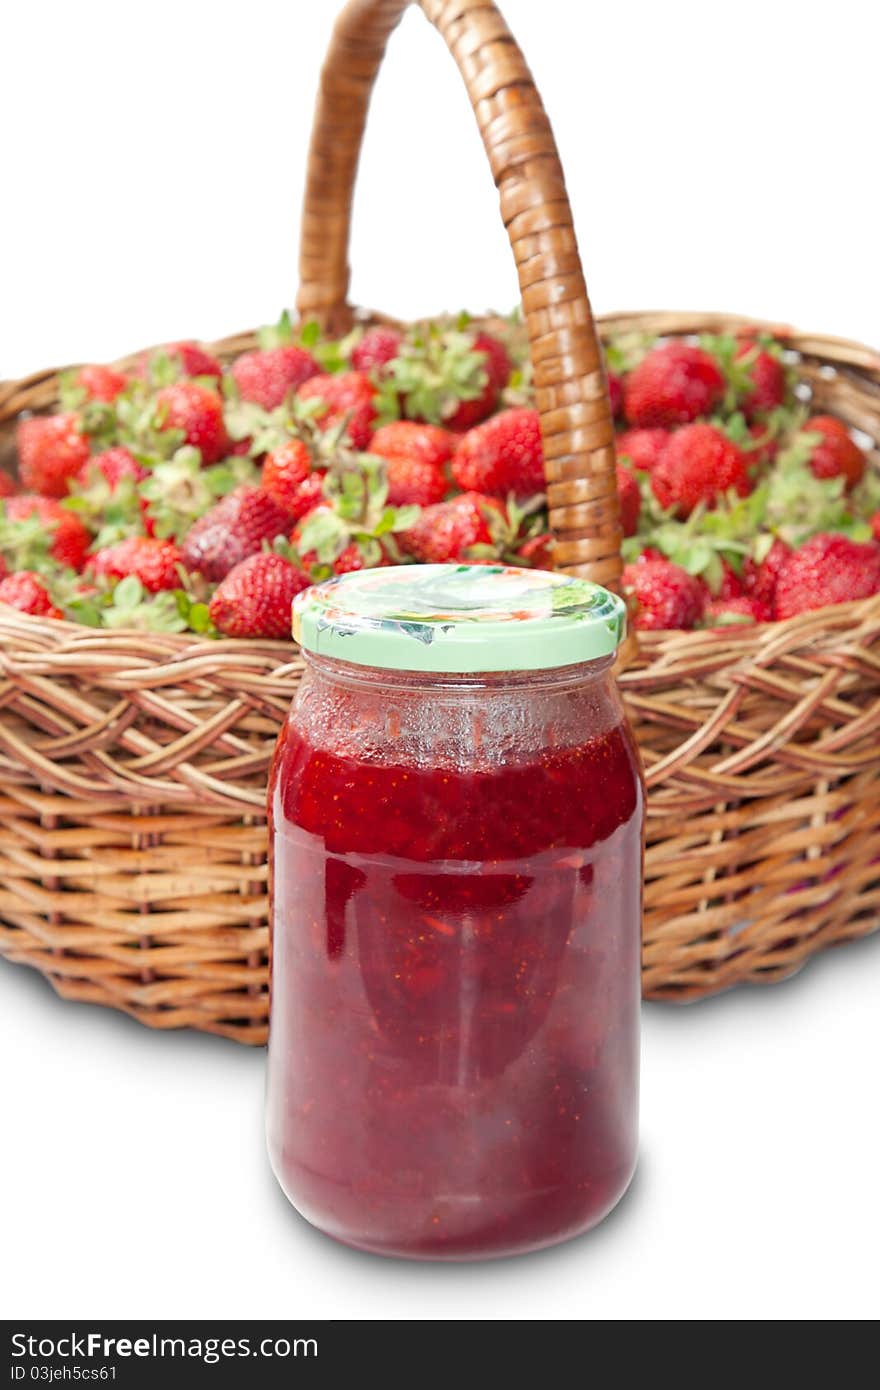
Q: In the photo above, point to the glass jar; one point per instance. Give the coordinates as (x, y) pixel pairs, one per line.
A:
(456, 818)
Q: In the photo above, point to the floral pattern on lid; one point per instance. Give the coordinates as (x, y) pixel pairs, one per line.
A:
(459, 618)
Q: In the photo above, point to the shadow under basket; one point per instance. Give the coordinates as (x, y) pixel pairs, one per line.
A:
(133, 766)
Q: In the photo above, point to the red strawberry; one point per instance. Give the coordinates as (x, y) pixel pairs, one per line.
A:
(537, 552)
(759, 580)
(448, 530)
(498, 368)
(729, 612)
(285, 470)
(349, 397)
(630, 501)
(51, 450)
(699, 464)
(101, 383)
(70, 538)
(231, 530)
(450, 377)
(827, 569)
(113, 465)
(838, 455)
(254, 599)
(643, 448)
(415, 482)
(267, 375)
(615, 393)
(498, 363)
(416, 456)
(7, 484)
(875, 526)
(376, 349)
(767, 376)
(26, 592)
(101, 476)
(666, 595)
(194, 360)
(197, 410)
(309, 495)
(411, 439)
(672, 385)
(154, 562)
(503, 455)
(731, 585)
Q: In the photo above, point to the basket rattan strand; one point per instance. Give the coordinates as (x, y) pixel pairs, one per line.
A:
(133, 767)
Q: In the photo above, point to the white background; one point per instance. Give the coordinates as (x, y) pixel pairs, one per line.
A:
(718, 157)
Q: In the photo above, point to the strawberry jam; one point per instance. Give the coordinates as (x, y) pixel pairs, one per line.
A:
(455, 966)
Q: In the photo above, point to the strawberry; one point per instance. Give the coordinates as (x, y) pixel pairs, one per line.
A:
(413, 482)
(765, 376)
(193, 359)
(643, 448)
(666, 595)
(350, 559)
(699, 464)
(498, 364)
(353, 526)
(197, 411)
(308, 496)
(503, 455)
(730, 612)
(7, 484)
(266, 376)
(285, 470)
(255, 597)
(536, 552)
(231, 530)
(51, 450)
(836, 455)
(154, 562)
(27, 592)
(672, 385)
(411, 439)
(450, 376)
(615, 393)
(760, 579)
(113, 465)
(630, 499)
(448, 530)
(875, 526)
(70, 538)
(106, 489)
(100, 383)
(827, 569)
(376, 349)
(415, 456)
(730, 585)
(348, 398)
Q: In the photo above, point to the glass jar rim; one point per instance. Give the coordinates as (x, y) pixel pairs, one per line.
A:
(358, 674)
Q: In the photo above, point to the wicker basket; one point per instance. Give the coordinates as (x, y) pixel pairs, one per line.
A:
(132, 767)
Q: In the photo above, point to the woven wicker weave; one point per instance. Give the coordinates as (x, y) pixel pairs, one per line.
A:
(133, 767)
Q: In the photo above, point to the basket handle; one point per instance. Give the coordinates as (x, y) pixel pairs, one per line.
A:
(570, 388)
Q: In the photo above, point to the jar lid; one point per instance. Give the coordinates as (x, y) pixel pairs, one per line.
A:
(459, 618)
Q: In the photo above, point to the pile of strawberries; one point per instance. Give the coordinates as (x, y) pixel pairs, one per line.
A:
(185, 495)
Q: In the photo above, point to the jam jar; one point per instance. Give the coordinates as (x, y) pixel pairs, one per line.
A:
(456, 838)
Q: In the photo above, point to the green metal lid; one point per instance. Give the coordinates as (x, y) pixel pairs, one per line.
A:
(459, 618)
